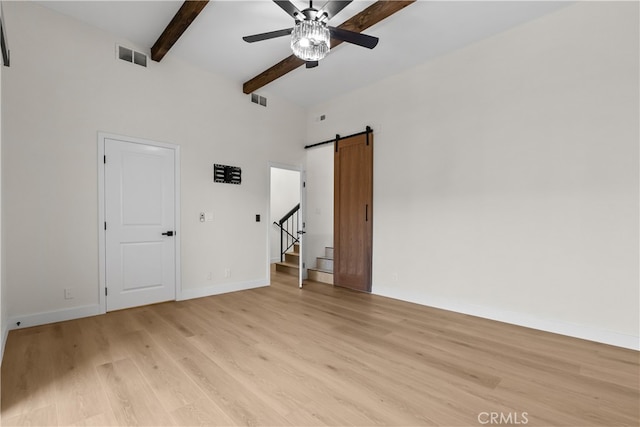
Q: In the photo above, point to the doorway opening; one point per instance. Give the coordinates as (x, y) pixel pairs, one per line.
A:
(286, 226)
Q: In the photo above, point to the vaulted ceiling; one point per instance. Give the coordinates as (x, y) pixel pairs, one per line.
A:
(414, 35)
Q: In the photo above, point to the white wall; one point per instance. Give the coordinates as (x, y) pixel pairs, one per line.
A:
(506, 175)
(285, 194)
(63, 87)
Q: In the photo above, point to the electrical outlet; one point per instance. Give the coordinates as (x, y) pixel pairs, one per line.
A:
(210, 276)
(68, 294)
(227, 272)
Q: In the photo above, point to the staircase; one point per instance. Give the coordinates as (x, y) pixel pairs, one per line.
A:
(323, 272)
(291, 262)
(290, 250)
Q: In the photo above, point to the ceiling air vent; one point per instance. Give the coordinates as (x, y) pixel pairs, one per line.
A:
(132, 56)
(257, 99)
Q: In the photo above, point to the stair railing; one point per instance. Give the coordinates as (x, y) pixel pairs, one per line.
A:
(288, 226)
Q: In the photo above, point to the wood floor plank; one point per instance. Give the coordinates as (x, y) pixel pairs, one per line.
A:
(277, 391)
(201, 413)
(28, 374)
(132, 400)
(107, 418)
(102, 336)
(226, 394)
(168, 381)
(237, 401)
(321, 355)
(79, 394)
(625, 375)
(46, 416)
(178, 317)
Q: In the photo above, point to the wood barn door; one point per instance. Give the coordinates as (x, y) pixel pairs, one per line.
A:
(353, 212)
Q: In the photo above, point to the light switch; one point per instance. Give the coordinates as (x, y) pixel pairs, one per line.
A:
(208, 216)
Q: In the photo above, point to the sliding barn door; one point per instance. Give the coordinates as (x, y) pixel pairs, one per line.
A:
(353, 211)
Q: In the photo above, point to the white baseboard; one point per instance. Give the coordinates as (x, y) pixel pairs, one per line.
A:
(53, 316)
(44, 318)
(208, 291)
(521, 319)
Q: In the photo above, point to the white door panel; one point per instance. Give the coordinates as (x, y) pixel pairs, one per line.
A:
(139, 265)
(142, 197)
(139, 208)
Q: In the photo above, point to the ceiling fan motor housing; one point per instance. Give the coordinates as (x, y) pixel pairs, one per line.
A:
(310, 40)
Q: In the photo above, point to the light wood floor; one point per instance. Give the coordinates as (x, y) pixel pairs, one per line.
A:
(320, 356)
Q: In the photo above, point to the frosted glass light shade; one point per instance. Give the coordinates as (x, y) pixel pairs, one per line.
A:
(310, 40)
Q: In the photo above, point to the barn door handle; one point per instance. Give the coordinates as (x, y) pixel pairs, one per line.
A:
(366, 212)
(168, 233)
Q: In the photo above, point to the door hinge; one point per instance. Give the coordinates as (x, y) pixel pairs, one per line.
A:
(105, 292)
(304, 184)
(105, 159)
(105, 225)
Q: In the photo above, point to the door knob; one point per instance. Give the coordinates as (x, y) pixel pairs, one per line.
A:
(168, 233)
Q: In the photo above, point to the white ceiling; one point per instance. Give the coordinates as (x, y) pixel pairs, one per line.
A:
(416, 34)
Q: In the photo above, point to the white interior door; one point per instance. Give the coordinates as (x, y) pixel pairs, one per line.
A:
(140, 238)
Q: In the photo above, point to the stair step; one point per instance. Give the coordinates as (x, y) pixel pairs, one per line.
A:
(317, 275)
(292, 257)
(328, 252)
(325, 264)
(323, 270)
(287, 268)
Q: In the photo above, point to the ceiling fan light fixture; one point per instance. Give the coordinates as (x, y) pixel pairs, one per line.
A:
(310, 40)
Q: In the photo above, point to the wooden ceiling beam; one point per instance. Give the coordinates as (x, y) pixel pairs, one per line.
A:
(189, 10)
(370, 16)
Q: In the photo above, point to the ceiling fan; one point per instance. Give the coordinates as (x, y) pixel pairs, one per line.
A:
(311, 36)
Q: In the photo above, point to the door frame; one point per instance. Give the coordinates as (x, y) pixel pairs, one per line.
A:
(303, 209)
(102, 253)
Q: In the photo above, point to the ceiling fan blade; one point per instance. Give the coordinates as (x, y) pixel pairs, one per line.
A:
(353, 37)
(288, 7)
(267, 36)
(333, 7)
(311, 64)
